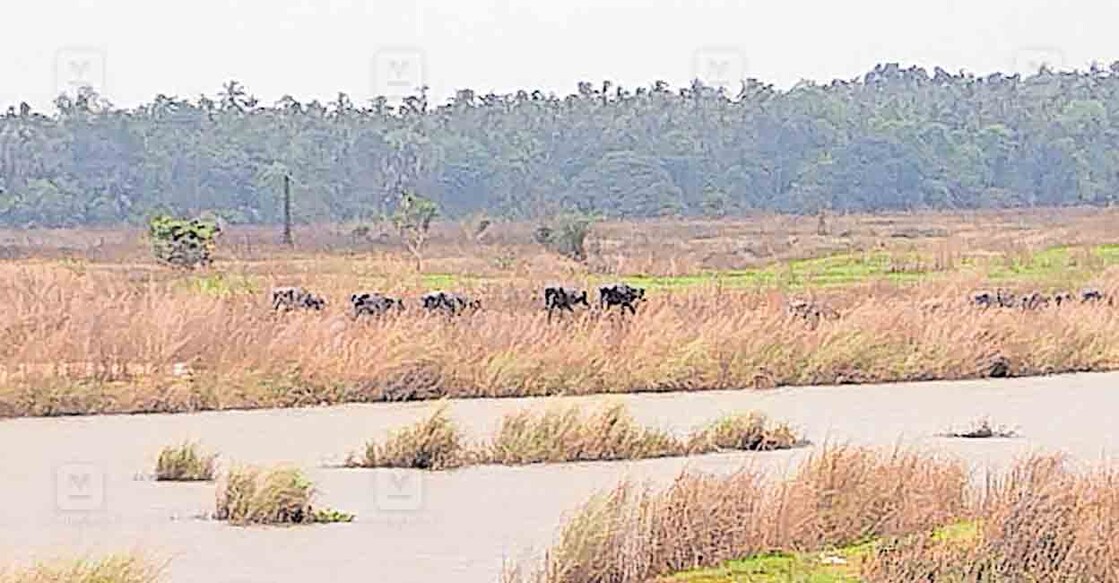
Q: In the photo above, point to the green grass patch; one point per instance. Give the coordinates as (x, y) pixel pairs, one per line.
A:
(841, 565)
(221, 285)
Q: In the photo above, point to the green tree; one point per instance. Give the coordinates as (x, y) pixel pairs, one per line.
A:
(412, 219)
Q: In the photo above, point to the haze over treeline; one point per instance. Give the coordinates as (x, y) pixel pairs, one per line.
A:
(894, 139)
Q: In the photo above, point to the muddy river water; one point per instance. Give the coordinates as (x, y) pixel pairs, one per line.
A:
(76, 486)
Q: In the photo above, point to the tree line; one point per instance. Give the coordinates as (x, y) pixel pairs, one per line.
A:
(893, 139)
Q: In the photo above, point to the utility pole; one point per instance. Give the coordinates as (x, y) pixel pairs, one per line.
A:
(288, 240)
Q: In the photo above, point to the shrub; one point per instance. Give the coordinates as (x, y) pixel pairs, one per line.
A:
(566, 234)
(182, 243)
(276, 496)
(184, 463)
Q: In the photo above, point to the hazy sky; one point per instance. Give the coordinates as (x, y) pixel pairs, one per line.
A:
(134, 49)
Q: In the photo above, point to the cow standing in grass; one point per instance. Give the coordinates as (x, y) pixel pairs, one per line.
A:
(373, 304)
(622, 295)
(563, 299)
(450, 303)
(286, 299)
(1091, 295)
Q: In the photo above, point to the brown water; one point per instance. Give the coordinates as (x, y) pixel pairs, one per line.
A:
(462, 525)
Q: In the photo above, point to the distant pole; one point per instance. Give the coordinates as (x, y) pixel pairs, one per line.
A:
(288, 240)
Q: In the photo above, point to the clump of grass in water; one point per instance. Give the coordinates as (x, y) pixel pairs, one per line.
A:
(744, 431)
(432, 444)
(982, 429)
(276, 496)
(111, 569)
(185, 463)
(566, 435)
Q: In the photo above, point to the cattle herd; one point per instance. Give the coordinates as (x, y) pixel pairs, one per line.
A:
(627, 298)
(556, 299)
(1034, 300)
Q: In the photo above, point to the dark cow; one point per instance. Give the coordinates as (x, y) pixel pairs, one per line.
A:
(563, 298)
(1034, 301)
(1091, 295)
(1062, 298)
(812, 312)
(620, 294)
(999, 299)
(373, 304)
(450, 303)
(287, 299)
(984, 299)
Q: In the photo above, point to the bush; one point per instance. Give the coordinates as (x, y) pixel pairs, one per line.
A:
(566, 235)
(182, 243)
(184, 463)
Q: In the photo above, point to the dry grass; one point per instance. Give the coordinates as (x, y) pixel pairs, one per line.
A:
(279, 496)
(569, 435)
(841, 496)
(432, 444)
(1042, 522)
(565, 434)
(124, 336)
(112, 569)
(185, 463)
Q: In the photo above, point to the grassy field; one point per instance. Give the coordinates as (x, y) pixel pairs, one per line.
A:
(90, 324)
(847, 515)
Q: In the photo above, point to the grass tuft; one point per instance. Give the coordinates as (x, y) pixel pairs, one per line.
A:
(111, 569)
(251, 495)
(432, 444)
(185, 463)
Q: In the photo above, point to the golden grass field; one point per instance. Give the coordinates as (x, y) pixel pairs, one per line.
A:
(89, 323)
(847, 515)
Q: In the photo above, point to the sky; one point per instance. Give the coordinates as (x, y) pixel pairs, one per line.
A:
(132, 50)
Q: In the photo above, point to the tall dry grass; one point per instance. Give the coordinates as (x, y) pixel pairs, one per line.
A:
(567, 434)
(97, 342)
(635, 534)
(1040, 522)
(111, 569)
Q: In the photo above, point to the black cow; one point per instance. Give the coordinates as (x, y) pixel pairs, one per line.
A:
(1091, 295)
(620, 294)
(1034, 301)
(373, 304)
(812, 312)
(450, 303)
(295, 298)
(563, 298)
(999, 299)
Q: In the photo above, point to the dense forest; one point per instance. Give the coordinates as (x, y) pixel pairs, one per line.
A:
(895, 138)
